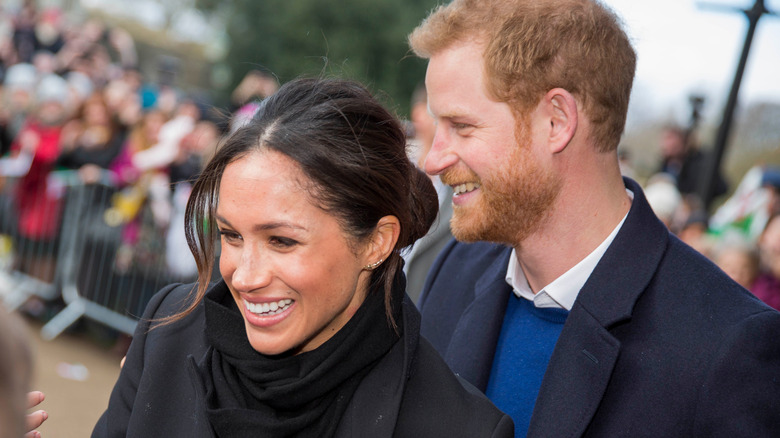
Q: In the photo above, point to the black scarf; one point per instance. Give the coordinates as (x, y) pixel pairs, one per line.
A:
(247, 393)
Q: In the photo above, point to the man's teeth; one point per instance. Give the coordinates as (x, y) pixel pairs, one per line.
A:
(465, 188)
(268, 308)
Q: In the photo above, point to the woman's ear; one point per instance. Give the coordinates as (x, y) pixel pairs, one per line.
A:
(382, 241)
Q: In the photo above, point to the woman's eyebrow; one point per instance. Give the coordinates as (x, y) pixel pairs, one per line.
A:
(265, 226)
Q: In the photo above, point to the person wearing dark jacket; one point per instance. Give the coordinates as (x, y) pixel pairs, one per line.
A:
(566, 300)
(654, 321)
(309, 333)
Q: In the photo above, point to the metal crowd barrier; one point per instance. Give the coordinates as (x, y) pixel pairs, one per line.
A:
(27, 261)
(98, 274)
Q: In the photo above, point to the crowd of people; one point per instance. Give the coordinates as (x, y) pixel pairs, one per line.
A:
(78, 112)
(740, 235)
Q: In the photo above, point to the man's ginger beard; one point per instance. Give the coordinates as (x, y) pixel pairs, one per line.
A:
(514, 201)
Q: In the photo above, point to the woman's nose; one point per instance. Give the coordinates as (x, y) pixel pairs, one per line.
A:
(251, 272)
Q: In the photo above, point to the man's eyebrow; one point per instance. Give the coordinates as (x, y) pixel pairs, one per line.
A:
(457, 114)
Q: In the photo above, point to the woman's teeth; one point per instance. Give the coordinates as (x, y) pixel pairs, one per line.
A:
(268, 308)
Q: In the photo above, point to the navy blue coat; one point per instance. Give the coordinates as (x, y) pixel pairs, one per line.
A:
(659, 342)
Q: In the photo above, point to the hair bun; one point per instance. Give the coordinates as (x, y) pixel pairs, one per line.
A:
(424, 204)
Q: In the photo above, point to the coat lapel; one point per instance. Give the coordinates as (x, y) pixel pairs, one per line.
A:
(374, 407)
(572, 388)
(470, 353)
(585, 355)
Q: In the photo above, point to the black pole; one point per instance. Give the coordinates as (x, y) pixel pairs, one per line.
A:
(708, 181)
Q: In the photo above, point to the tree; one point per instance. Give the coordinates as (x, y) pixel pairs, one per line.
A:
(356, 39)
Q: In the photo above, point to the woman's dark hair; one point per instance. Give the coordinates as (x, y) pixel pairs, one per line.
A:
(353, 152)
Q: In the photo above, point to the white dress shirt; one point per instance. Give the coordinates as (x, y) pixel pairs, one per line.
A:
(562, 292)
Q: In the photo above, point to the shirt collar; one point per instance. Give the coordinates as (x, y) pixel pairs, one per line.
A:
(563, 291)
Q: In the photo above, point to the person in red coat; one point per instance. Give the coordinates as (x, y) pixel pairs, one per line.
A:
(37, 206)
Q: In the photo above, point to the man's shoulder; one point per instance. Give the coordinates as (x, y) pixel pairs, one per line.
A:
(462, 274)
(688, 282)
(474, 255)
(460, 265)
(691, 272)
(477, 247)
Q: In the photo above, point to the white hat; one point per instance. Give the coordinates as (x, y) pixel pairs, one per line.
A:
(52, 88)
(664, 198)
(21, 76)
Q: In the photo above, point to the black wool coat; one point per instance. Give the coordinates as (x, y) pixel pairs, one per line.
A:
(409, 393)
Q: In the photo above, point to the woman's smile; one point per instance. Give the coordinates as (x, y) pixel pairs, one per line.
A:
(267, 314)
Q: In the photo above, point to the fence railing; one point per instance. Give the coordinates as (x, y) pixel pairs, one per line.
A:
(104, 264)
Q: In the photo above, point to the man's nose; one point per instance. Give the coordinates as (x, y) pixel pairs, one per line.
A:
(441, 155)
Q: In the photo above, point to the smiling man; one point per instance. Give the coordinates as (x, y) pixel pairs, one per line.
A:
(565, 299)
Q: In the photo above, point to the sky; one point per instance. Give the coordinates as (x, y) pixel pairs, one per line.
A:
(685, 48)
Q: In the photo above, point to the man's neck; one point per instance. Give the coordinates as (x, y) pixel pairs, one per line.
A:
(582, 218)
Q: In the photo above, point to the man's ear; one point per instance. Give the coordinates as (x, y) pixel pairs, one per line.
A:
(382, 241)
(561, 110)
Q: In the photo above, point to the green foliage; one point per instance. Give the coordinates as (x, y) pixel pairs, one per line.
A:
(358, 39)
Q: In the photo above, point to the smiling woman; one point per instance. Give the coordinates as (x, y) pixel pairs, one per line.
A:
(309, 333)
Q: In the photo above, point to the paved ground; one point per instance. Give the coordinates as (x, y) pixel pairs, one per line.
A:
(74, 405)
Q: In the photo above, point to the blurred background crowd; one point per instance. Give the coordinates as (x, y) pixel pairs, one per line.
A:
(97, 158)
(83, 131)
(740, 233)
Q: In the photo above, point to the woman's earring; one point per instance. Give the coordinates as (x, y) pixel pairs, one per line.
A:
(372, 266)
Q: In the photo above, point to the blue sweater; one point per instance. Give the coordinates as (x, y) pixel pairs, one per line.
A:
(526, 342)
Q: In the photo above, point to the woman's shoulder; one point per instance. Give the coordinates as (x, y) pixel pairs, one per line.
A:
(436, 402)
(170, 300)
(160, 316)
(157, 335)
